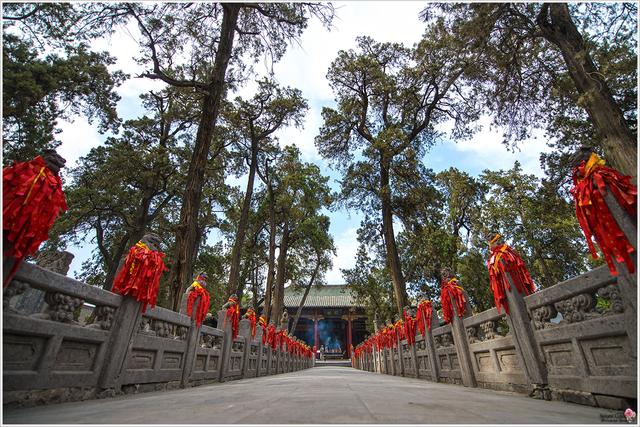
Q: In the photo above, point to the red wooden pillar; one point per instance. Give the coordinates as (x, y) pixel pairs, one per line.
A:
(315, 333)
(349, 337)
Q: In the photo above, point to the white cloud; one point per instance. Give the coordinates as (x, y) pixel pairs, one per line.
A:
(78, 137)
(486, 149)
(347, 247)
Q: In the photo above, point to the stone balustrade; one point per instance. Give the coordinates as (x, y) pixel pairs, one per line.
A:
(55, 356)
(575, 341)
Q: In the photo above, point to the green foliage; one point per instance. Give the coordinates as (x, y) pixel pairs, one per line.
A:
(39, 91)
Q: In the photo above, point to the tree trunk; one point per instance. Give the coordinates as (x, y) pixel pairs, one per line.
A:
(186, 238)
(254, 289)
(236, 252)
(618, 142)
(304, 297)
(272, 253)
(278, 294)
(389, 238)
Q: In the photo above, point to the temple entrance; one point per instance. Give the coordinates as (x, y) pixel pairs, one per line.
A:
(304, 330)
(332, 336)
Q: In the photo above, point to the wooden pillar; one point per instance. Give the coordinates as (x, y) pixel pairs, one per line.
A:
(315, 333)
(349, 338)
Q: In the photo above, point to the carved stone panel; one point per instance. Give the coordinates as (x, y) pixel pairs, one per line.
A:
(484, 362)
(141, 359)
(22, 353)
(608, 356)
(560, 359)
(75, 356)
(508, 361)
(171, 360)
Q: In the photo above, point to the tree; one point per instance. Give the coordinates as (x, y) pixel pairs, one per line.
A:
(270, 109)
(301, 194)
(389, 98)
(208, 31)
(314, 258)
(538, 223)
(533, 50)
(38, 91)
(121, 189)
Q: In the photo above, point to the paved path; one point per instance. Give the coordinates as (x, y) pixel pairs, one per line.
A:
(322, 395)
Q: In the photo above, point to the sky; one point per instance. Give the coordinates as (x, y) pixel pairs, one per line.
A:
(304, 66)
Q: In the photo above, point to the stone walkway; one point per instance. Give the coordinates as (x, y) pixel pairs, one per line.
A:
(322, 395)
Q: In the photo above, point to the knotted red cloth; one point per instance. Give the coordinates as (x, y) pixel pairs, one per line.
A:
(140, 275)
(32, 200)
(233, 315)
(591, 182)
(197, 290)
(271, 336)
(282, 334)
(504, 260)
(399, 328)
(409, 328)
(251, 316)
(451, 291)
(262, 321)
(423, 315)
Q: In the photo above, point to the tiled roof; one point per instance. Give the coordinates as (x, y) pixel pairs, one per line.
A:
(321, 296)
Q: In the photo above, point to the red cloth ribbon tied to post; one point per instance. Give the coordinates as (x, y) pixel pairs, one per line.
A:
(399, 328)
(282, 335)
(32, 200)
(423, 315)
(452, 291)
(233, 315)
(591, 182)
(271, 336)
(262, 321)
(504, 260)
(197, 290)
(140, 275)
(410, 328)
(251, 316)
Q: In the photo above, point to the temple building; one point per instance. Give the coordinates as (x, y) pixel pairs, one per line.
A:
(330, 318)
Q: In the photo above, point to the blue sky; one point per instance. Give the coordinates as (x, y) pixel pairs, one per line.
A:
(304, 66)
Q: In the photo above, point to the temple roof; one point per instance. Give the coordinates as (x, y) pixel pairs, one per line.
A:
(321, 296)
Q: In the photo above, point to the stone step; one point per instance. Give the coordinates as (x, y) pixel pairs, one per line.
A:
(343, 362)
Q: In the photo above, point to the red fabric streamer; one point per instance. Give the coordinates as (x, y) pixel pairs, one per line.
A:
(251, 316)
(271, 336)
(32, 200)
(452, 291)
(233, 315)
(423, 315)
(504, 260)
(140, 275)
(410, 328)
(262, 321)
(591, 182)
(197, 290)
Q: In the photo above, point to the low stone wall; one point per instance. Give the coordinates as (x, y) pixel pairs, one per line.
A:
(575, 341)
(55, 356)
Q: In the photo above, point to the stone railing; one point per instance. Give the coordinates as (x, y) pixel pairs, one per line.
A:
(575, 341)
(55, 356)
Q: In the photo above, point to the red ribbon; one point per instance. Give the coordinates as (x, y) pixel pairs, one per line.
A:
(32, 200)
(594, 216)
(451, 293)
(504, 260)
(409, 328)
(140, 275)
(423, 315)
(203, 305)
(233, 315)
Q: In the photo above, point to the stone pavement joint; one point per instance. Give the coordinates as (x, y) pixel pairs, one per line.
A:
(321, 395)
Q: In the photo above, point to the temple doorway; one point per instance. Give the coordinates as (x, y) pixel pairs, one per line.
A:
(332, 335)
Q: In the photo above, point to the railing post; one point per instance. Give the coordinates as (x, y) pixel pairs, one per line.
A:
(627, 282)
(244, 330)
(227, 342)
(400, 366)
(519, 323)
(462, 344)
(123, 330)
(191, 345)
(431, 346)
